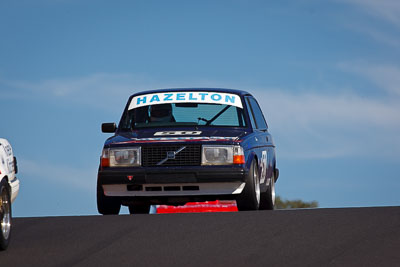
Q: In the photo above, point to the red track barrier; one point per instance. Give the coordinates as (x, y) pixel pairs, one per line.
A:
(208, 206)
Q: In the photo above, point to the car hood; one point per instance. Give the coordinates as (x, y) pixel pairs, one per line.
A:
(228, 135)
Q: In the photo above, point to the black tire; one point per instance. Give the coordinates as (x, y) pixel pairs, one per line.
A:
(267, 201)
(139, 209)
(249, 199)
(107, 205)
(5, 215)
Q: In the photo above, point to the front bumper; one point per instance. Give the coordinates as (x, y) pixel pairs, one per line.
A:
(172, 181)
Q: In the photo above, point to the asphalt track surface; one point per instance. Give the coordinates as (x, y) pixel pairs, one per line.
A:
(319, 237)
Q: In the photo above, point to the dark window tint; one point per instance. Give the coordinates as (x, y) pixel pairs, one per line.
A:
(250, 112)
(183, 114)
(258, 115)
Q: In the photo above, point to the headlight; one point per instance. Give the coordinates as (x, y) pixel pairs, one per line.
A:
(222, 155)
(121, 157)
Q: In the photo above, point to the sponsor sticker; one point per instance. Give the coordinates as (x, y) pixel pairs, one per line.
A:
(264, 160)
(8, 150)
(186, 97)
(167, 133)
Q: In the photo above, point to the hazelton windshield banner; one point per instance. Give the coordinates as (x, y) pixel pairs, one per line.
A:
(186, 97)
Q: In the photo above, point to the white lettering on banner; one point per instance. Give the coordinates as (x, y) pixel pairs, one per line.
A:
(178, 133)
(186, 97)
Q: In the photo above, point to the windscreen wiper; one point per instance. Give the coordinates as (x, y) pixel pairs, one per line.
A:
(202, 119)
(218, 114)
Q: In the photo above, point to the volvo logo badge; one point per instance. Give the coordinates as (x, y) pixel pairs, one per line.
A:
(171, 155)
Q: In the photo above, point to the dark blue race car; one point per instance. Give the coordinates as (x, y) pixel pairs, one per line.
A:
(174, 146)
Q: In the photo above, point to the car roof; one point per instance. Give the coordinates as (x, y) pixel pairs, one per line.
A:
(219, 90)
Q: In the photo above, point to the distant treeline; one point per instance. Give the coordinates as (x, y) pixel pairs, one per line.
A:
(293, 204)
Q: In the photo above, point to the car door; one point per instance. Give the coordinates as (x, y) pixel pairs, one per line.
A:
(264, 145)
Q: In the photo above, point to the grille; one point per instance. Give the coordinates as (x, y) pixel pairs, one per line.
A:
(153, 154)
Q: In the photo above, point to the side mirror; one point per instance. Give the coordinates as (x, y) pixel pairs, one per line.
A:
(109, 127)
(15, 165)
(276, 174)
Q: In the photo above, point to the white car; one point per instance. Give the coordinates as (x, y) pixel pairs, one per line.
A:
(9, 188)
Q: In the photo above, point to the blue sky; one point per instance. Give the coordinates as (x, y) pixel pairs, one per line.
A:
(326, 73)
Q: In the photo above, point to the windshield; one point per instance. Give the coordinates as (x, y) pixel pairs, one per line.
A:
(183, 114)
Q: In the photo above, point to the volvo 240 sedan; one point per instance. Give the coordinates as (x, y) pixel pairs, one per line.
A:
(174, 146)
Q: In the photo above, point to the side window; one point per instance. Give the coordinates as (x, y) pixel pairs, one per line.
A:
(258, 115)
(250, 112)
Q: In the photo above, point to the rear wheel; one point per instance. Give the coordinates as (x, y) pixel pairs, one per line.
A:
(139, 209)
(107, 205)
(249, 199)
(268, 197)
(5, 215)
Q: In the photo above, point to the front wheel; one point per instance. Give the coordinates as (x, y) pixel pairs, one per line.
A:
(107, 205)
(249, 199)
(5, 215)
